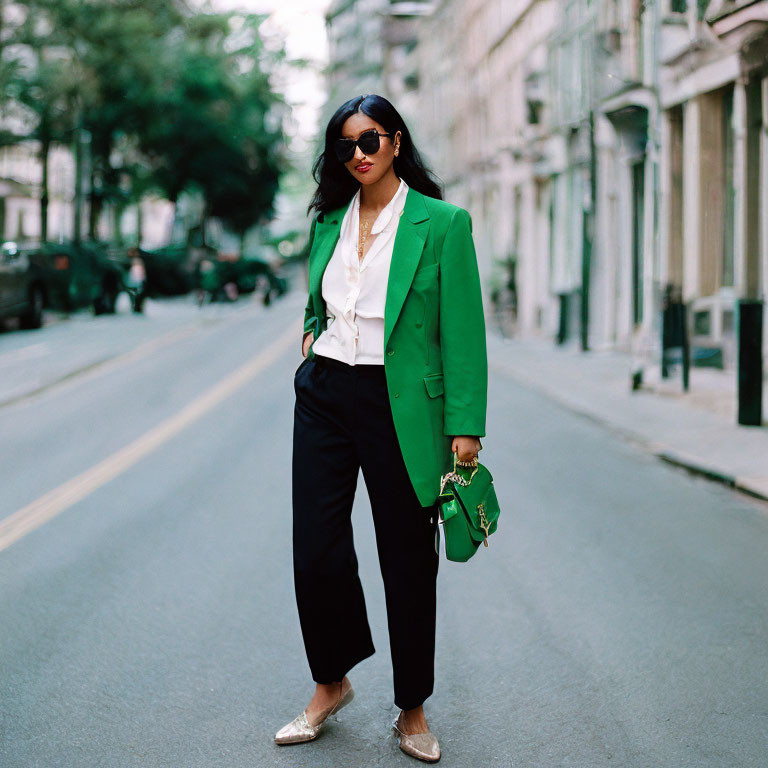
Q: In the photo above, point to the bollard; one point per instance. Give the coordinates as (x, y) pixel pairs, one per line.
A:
(562, 331)
(750, 363)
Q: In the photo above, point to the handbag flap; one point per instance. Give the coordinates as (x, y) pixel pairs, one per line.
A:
(448, 505)
(479, 502)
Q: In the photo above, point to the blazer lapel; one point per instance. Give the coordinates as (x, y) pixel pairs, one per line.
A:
(326, 236)
(406, 252)
(409, 242)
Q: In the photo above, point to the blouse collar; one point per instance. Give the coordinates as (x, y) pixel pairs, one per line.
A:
(385, 216)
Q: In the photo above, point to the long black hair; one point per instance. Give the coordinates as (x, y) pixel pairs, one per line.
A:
(336, 185)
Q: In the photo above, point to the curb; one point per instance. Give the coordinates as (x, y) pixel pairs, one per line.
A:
(697, 469)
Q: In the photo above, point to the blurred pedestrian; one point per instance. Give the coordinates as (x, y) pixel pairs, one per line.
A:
(137, 281)
(208, 281)
(394, 383)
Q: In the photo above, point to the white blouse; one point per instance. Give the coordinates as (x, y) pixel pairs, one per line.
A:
(355, 292)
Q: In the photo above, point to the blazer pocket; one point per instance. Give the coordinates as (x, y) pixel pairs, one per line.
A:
(434, 384)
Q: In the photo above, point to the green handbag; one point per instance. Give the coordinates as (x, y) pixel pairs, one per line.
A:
(468, 510)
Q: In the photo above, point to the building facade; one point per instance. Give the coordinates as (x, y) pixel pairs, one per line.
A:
(713, 92)
(610, 152)
(369, 43)
(482, 71)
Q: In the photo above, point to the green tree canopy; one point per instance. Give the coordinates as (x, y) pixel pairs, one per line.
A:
(171, 100)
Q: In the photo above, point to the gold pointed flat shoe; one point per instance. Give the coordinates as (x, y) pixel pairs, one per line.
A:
(300, 729)
(423, 746)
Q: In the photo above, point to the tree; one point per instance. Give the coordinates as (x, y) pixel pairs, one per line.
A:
(171, 101)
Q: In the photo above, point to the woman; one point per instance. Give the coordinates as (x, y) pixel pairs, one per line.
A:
(394, 379)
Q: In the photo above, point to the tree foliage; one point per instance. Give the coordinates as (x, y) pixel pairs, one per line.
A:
(170, 100)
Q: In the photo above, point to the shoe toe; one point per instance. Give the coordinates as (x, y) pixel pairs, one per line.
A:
(300, 729)
(297, 730)
(422, 745)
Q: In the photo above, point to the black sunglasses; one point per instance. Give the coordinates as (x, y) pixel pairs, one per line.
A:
(368, 141)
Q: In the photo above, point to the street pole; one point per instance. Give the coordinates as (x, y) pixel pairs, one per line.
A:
(78, 203)
(750, 365)
(588, 228)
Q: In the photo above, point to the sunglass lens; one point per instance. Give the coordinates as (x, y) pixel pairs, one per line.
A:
(344, 149)
(369, 143)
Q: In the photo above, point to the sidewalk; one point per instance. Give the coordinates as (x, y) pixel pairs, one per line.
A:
(696, 430)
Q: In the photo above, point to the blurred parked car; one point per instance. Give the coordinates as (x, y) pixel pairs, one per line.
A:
(23, 291)
(170, 270)
(65, 276)
(224, 279)
(79, 275)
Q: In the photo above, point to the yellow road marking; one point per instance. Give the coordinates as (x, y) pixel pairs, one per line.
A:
(43, 509)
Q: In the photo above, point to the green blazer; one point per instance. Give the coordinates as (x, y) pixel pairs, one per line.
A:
(435, 356)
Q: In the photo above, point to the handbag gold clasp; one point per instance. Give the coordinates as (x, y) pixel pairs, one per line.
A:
(483, 522)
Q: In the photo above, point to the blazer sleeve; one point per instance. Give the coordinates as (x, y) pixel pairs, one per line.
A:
(309, 313)
(462, 331)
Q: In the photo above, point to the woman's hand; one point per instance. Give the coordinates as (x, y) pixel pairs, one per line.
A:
(466, 446)
(310, 337)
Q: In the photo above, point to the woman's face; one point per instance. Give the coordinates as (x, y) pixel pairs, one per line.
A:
(368, 169)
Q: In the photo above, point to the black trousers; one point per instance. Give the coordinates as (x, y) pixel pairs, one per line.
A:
(342, 422)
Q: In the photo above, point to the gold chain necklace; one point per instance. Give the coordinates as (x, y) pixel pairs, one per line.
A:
(363, 235)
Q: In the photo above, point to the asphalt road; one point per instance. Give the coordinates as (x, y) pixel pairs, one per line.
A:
(618, 618)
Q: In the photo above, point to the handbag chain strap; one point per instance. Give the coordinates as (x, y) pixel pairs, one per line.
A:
(454, 476)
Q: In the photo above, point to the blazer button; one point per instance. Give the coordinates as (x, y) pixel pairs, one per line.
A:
(397, 394)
